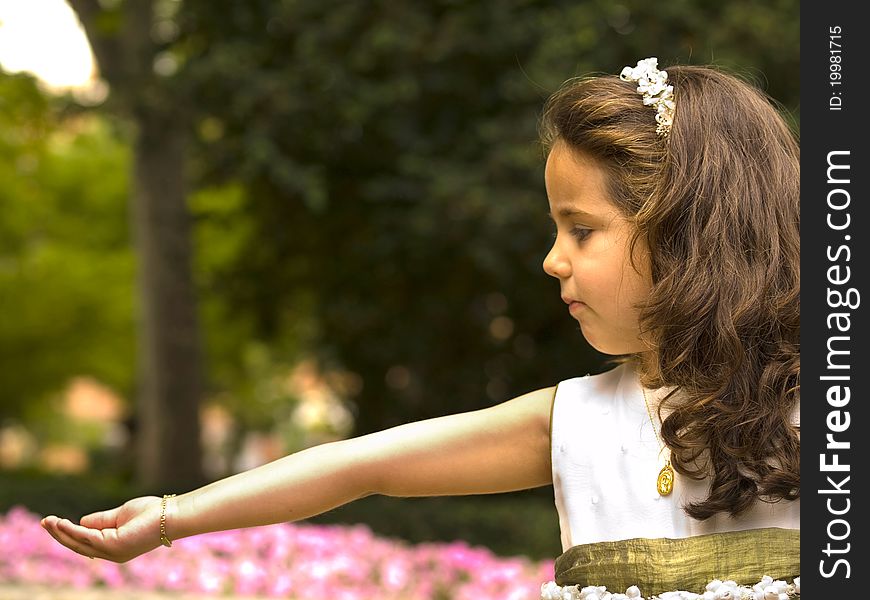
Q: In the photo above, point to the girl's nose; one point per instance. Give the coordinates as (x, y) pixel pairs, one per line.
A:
(555, 264)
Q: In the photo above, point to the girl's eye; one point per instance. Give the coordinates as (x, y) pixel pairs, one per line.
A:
(581, 233)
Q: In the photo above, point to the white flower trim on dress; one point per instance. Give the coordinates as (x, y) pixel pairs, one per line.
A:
(652, 85)
(766, 589)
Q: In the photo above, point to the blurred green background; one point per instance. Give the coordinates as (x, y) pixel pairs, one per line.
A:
(290, 222)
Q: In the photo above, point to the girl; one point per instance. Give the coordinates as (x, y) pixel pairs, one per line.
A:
(675, 202)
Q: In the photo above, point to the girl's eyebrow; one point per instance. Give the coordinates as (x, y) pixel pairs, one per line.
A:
(572, 212)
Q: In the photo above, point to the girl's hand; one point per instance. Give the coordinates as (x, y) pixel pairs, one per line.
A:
(118, 535)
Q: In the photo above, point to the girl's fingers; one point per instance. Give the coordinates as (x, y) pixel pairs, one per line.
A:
(49, 527)
(84, 535)
(59, 531)
(102, 519)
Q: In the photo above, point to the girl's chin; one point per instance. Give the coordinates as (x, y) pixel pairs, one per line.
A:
(611, 348)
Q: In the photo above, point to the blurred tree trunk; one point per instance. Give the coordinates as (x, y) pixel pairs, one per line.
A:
(169, 353)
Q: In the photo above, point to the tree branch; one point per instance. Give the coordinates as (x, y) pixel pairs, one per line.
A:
(105, 44)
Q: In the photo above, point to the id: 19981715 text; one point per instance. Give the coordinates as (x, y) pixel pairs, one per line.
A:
(835, 67)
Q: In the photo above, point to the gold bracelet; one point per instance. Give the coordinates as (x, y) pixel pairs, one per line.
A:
(163, 539)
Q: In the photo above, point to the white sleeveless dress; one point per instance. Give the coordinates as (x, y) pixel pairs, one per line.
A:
(606, 460)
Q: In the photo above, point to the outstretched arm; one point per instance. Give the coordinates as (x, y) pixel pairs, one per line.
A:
(496, 449)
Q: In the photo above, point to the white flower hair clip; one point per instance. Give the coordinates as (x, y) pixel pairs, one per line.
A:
(652, 85)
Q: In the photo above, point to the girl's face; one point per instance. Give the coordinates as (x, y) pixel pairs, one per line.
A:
(590, 255)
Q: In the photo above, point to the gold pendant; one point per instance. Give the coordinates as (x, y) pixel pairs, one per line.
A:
(665, 482)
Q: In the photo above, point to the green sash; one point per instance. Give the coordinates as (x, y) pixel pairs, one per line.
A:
(663, 564)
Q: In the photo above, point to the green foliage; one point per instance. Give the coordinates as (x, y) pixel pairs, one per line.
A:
(66, 270)
(369, 188)
(247, 374)
(394, 203)
(67, 496)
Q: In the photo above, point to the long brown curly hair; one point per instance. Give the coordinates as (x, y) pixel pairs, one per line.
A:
(717, 202)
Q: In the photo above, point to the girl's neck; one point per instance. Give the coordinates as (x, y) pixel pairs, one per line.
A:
(646, 366)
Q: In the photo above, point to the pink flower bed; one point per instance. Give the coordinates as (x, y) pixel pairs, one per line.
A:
(298, 561)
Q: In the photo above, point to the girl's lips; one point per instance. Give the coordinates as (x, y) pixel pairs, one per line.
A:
(575, 306)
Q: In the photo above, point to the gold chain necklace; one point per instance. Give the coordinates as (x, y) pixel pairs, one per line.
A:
(665, 481)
